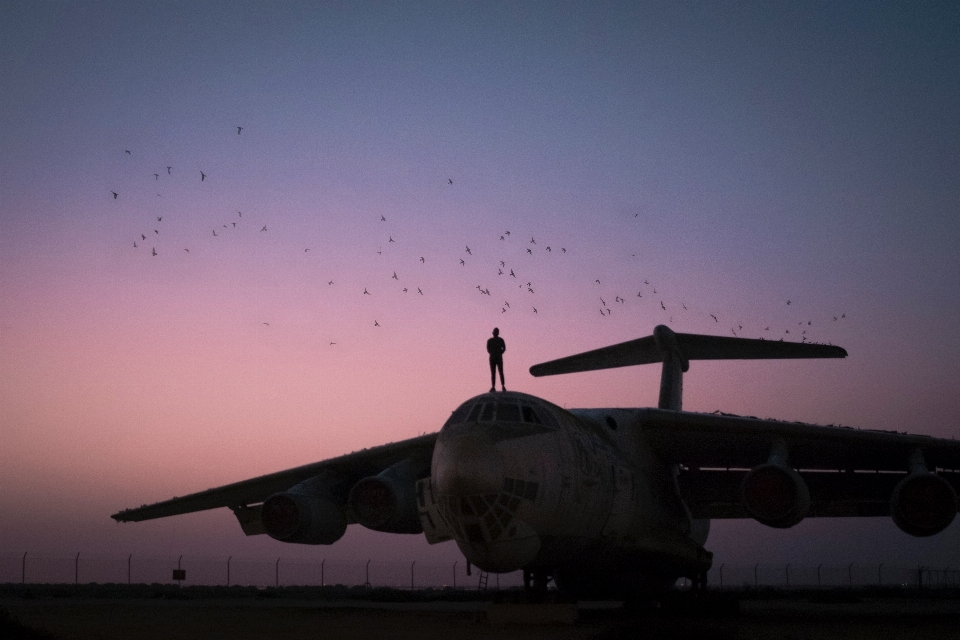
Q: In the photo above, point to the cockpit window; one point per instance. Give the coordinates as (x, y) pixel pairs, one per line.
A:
(475, 412)
(529, 415)
(487, 414)
(460, 415)
(508, 412)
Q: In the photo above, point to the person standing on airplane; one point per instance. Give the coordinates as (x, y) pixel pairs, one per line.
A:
(495, 347)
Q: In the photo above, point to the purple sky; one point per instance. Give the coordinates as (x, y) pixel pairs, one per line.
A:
(731, 157)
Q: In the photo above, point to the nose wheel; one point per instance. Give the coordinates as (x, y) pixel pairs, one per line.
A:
(535, 582)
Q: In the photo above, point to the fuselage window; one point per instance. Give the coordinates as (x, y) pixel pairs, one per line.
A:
(529, 415)
(487, 414)
(475, 412)
(508, 412)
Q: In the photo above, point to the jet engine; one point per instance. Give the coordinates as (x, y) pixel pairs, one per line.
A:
(923, 503)
(303, 514)
(774, 494)
(387, 502)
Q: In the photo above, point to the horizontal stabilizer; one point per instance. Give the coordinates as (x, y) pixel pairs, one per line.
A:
(688, 346)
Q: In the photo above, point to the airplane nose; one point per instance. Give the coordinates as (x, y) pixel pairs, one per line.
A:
(480, 501)
(467, 463)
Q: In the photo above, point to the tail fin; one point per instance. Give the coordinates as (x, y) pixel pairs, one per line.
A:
(675, 351)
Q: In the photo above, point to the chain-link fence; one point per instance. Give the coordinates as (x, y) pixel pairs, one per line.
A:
(36, 568)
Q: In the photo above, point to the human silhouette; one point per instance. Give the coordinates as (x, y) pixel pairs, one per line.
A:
(495, 347)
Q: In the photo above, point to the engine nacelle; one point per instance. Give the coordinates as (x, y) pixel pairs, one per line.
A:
(307, 518)
(387, 502)
(775, 495)
(923, 504)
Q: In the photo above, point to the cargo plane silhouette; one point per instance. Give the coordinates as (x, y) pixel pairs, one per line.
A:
(603, 501)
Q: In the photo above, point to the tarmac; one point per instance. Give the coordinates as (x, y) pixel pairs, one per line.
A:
(781, 616)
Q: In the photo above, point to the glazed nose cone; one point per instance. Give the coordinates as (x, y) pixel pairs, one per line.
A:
(466, 463)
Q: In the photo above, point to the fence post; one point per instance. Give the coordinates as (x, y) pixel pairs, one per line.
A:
(411, 574)
(76, 571)
(321, 572)
(788, 574)
(756, 580)
(454, 575)
(367, 583)
(278, 573)
(850, 574)
(819, 583)
(23, 569)
(128, 568)
(721, 576)
(880, 575)
(228, 570)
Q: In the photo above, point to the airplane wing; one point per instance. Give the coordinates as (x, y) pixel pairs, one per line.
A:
(342, 472)
(849, 472)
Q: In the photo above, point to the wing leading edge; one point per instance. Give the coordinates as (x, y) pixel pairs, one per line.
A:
(342, 471)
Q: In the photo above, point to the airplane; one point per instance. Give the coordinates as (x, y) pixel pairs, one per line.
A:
(605, 502)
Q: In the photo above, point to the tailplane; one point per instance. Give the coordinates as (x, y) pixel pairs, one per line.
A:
(675, 351)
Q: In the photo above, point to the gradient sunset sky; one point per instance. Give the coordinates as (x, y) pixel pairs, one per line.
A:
(783, 166)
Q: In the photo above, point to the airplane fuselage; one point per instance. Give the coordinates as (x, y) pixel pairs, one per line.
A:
(519, 483)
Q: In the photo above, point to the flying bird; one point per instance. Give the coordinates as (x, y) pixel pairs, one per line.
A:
(214, 232)
(128, 151)
(365, 292)
(143, 237)
(419, 291)
(449, 180)
(530, 251)
(391, 239)
(159, 218)
(168, 170)
(382, 219)
(421, 259)
(462, 263)
(154, 248)
(395, 276)
(115, 194)
(203, 176)
(264, 228)
(469, 252)
(714, 318)
(156, 176)
(239, 129)
(134, 244)
(376, 324)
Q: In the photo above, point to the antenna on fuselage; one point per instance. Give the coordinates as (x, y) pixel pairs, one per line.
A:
(675, 351)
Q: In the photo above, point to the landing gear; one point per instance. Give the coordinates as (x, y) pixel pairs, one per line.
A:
(535, 583)
(699, 582)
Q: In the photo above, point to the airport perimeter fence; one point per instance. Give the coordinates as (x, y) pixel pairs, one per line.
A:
(35, 568)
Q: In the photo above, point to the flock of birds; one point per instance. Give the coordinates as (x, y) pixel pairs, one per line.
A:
(510, 269)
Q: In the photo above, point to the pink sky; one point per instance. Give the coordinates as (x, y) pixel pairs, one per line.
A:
(731, 173)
